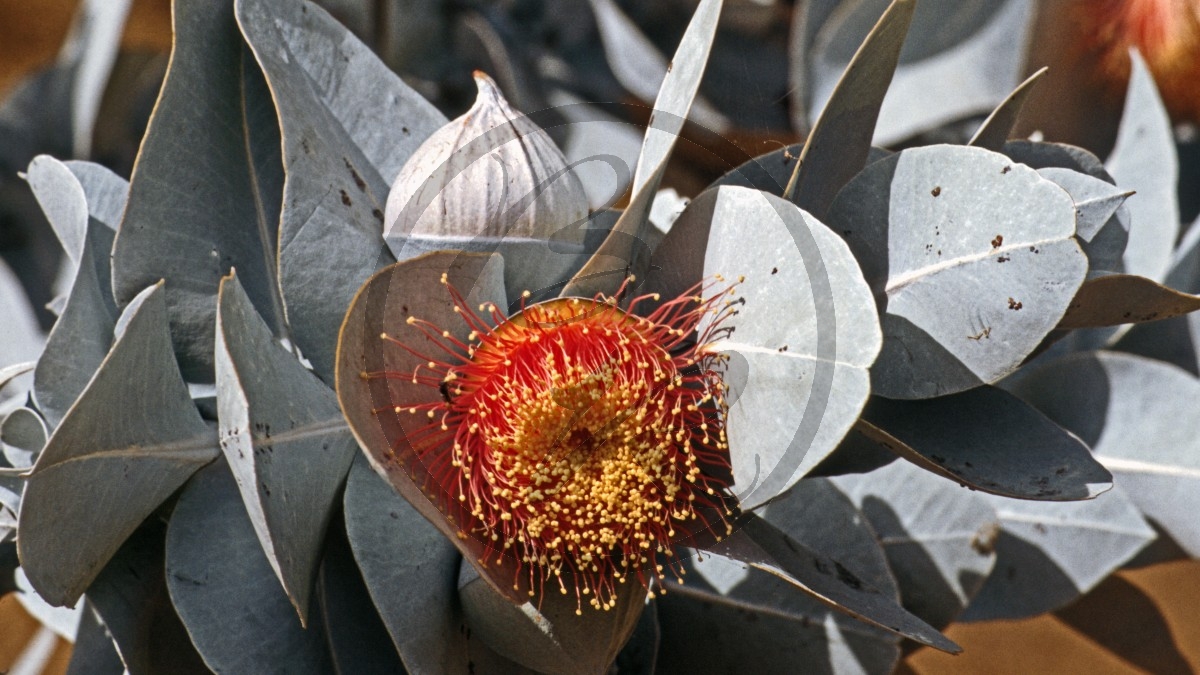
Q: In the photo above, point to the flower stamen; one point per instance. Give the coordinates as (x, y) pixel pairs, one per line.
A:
(579, 437)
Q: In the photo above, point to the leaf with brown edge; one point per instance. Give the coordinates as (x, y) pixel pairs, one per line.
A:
(968, 437)
(206, 188)
(995, 130)
(840, 141)
(382, 306)
(1115, 299)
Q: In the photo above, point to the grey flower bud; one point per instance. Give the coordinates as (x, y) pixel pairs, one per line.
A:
(489, 180)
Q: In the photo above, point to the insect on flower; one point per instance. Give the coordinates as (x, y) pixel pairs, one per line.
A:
(580, 438)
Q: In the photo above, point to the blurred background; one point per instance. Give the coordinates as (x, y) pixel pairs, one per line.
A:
(78, 82)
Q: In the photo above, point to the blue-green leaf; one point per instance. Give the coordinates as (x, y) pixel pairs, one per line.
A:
(348, 125)
(225, 591)
(206, 188)
(285, 439)
(119, 452)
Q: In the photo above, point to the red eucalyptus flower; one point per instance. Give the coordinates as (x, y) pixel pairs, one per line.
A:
(575, 436)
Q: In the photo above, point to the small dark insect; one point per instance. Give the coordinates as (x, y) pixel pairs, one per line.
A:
(937, 190)
(774, 270)
(998, 241)
(1006, 169)
(445, 389)
(1014, 305)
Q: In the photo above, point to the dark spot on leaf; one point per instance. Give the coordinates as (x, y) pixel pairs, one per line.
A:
(782, 349)
(378, 214)
(405, 131)
(304, 146)
(998, 241)
(394, 515)
(1015, 305)
(345, 198)
(847, 577)
(1060, 471)
(937, 190)
(1006, 169)
(1039, 528)
(938, 458)
(404, 309)
(1003, 259)
(984, 541)
(968, 465)
(774, 270)
(362, 184)
(188, 580)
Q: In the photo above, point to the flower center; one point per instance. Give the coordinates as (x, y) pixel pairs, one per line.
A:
(582, 438)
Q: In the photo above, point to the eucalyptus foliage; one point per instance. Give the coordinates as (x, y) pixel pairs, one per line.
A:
(962, 376)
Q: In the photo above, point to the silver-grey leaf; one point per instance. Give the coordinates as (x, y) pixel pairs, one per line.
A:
(963, 58)
(119, 452)
(22, 437)
(348, 125)
(759, 544)
(83, 202)
(284, 438)
(1101, 220)
(84, 331)
(840, 141)
(1144, 160)
(93, 44)
(21, 340)
(638, 65)
(1138, 416)
(800, 629)
(802, 340)
(972, 259)
(411, 572)
(995, 130)
(556, 636)
(624, 250)
(939, 539)
(968, 437)
(1049, 554)
(206, 188)
(225, 591)
(130, 596)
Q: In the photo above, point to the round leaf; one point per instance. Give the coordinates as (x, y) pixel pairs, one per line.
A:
(972, 259)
